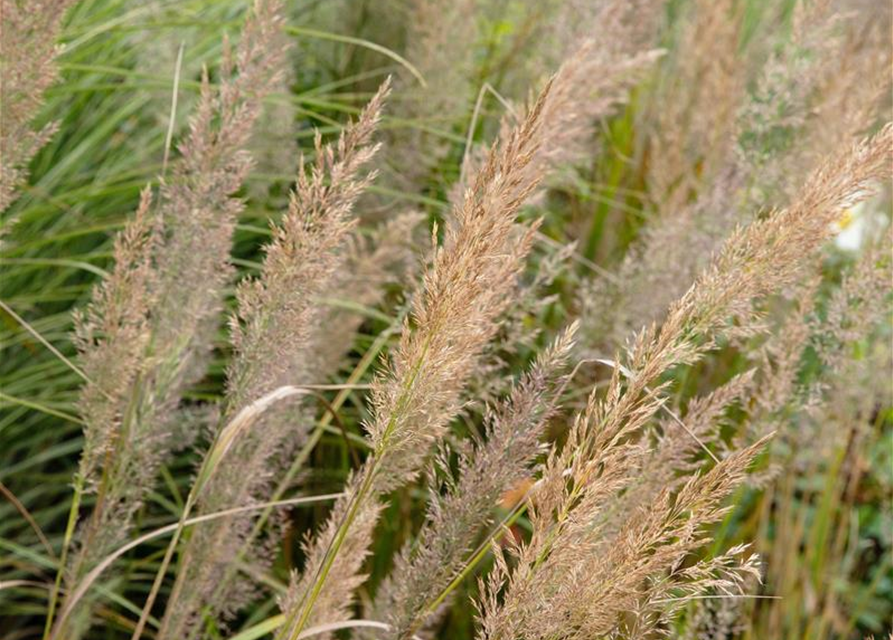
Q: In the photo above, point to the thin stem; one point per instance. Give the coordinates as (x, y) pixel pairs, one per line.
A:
(23, 510)
(91, 577)
(223, 442)
(298, 463)
(479, 554)
(330, 557)
(25, 325)
(66, 542)
(341, 534)
(173, 116)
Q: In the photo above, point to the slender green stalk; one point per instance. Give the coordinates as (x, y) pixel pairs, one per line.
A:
(309, 600)
(63, 557)
(367, 360)
(223, 442)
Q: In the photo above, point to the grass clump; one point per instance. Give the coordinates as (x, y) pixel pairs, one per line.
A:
(547, 320)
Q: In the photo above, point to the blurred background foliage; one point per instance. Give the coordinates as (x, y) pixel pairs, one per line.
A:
(824, 525)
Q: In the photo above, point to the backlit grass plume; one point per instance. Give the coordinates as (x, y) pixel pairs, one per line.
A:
(463, 294)
(422, 575)
(742, 154)
(576, 578)
(146, 336)
(275, 334)
(454, 317)
(578, 329)
(28, 52)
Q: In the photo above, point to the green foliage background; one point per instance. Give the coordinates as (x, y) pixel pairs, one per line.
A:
(113, 102)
